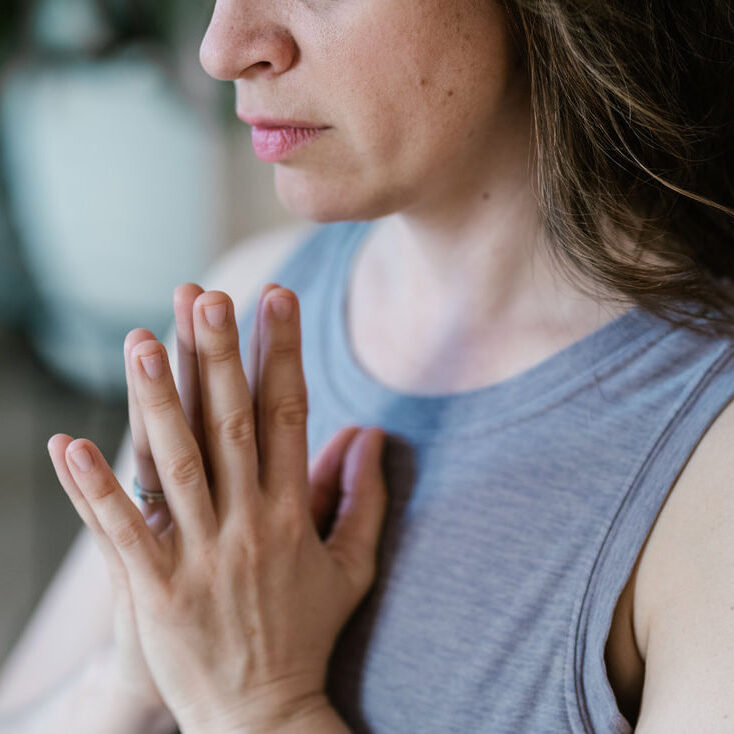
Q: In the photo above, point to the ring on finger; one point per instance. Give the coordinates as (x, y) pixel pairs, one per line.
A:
(147, 495)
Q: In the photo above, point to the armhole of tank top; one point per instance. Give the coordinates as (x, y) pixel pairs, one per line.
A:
(590, 701)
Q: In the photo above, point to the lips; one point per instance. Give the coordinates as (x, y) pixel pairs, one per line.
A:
(272, 123)
(274, 144)
(274, 139)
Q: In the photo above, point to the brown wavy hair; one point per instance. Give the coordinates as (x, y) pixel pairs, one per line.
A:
(633, 123)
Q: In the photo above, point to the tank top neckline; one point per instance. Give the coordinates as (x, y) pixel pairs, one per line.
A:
(547, 383)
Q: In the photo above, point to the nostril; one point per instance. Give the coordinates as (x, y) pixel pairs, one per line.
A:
(257, 69)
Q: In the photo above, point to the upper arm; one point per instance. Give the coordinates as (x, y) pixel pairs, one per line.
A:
(684, 598)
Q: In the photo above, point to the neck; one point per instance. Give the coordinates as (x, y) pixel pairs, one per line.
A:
(458, 289)
(474, 240)
(489, 265)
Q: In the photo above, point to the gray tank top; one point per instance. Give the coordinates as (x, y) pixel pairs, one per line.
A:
(516, 513)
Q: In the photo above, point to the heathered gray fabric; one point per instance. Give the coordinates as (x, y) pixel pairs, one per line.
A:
(516, 513)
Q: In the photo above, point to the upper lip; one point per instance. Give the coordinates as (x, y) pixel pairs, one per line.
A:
(272, 122)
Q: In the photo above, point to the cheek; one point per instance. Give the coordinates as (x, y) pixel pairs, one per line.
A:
(413, 101)
(432, 79)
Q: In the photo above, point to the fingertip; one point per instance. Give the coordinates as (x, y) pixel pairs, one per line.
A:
(264, 292)
(206, 298)
(186, 293)
(135, 337)
(80, 455)
(380, 433)
(268, 287)
(77, 444)
(146, 348)
(375, 447)
(56, 440)
(374, 437)
(352, 431)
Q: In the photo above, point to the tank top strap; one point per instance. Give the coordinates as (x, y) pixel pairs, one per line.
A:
(709, 389)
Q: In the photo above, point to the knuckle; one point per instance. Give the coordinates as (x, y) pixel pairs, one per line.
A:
(158, 403)
(292, 525)
(289, 411)
(237, 427)
(289, 506)
(128, 534)
(102, 493)
(249, 545)
(183, 469)
(285, 350)
(221, 353)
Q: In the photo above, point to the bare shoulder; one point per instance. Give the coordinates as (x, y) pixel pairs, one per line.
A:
(683, 614)
(244, 268)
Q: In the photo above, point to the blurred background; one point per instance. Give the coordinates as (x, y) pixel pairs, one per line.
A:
(123, 172)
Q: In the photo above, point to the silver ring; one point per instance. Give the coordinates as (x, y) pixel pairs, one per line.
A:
(147, 495)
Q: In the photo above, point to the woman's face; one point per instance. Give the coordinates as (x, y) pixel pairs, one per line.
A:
(418, 95)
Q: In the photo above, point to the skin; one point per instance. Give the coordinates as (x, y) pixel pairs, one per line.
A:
(429, 131)
(236, 604)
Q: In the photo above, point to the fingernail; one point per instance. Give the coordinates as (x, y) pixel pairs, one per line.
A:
(153, 365)
(216, 314)
(82, 459)
(281, 307)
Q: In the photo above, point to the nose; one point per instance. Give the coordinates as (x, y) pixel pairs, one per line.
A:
(245, 39)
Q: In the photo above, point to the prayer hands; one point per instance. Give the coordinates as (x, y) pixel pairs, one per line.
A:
(237, 596)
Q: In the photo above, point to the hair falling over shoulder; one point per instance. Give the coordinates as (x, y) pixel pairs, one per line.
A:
(633, 122)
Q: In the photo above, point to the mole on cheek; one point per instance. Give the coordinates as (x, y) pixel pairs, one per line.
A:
(423, 82)
(450, 93)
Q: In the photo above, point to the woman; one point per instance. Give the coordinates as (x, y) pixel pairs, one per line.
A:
(526, 291)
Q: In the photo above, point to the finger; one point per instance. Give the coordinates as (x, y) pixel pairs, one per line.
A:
(354, 538)
(324, 478)
(188, 367)
(57, 446)
(229, 420)
(145, 466)
(145, 469)
(282, 399)
(188, 383)
(252, 368)
(174, 448)
(119, 519)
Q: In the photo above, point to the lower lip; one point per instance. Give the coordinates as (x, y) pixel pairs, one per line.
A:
(272, 144)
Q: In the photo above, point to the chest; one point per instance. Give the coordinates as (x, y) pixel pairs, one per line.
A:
(480, 569)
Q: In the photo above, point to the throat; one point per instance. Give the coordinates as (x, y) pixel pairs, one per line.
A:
(413, 352)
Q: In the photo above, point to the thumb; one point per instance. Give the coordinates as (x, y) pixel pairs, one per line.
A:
(354, 538)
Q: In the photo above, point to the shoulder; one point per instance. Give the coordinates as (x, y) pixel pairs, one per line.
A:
(684, 593)
(244, 268)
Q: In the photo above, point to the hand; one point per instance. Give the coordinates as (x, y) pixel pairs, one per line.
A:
(239, 602)
(125, 659)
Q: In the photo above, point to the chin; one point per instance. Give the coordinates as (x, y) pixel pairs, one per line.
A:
(314, 197)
